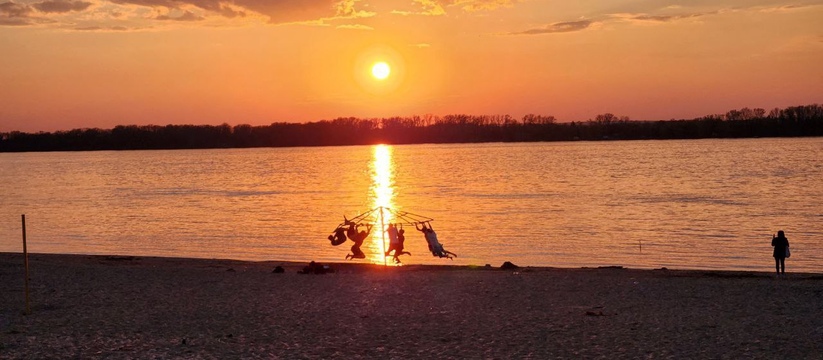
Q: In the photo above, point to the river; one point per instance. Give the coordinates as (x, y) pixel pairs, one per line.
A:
(692, 204)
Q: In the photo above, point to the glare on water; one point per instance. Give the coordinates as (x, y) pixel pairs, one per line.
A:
(382, 194)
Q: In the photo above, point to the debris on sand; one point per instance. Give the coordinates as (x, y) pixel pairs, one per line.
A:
(508, 266)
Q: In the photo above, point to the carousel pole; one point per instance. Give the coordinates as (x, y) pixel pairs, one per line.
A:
(383, 231)
(26, 264)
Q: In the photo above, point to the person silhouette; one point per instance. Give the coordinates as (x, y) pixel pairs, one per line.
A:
(401, 239)
(351, 230)
(435, 246)
(781, 246)
(338, 237)
(396, 239)
(358, 238)
(425, 230)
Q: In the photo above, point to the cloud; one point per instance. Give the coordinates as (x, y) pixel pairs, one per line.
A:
(277, 12)
(14, 14)
(647, 18)
(59, 6)
(231, 12)
(429, 8)
(43, 12)
(560, 27)
(662, 15)
(664, 18)
(346, 8)
(314, 12)
(337, 13)
(11, 9)
(171, 4)
(355, 27)
(786, 8)
(660, 18)
(103, 28)
(186, 16)
(438, 7)
(483, 5)
(290, 11)
(217, 12)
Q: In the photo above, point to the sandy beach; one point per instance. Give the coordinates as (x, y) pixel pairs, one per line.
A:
(122, 307)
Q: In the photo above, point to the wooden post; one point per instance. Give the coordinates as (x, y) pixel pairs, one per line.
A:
(383, 231)
(26, 264)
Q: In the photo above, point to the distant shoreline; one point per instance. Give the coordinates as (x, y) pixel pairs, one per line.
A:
(797, 121)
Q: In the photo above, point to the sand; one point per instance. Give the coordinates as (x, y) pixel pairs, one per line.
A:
(93, 307)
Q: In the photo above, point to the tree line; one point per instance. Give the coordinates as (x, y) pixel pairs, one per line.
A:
(806, 120)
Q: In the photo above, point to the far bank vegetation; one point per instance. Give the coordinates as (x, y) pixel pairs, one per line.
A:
(793, 121)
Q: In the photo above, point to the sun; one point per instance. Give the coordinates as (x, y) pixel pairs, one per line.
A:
(380, 70)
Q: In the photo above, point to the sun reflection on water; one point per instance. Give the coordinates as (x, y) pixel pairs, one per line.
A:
(382, 192)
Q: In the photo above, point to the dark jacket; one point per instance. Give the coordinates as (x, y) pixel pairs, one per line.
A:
(780, 244)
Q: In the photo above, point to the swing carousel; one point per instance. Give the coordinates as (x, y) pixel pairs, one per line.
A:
(358, 228)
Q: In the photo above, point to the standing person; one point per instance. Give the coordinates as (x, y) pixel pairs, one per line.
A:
(781, 247)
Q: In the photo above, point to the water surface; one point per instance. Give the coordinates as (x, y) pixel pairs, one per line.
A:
(695, 204)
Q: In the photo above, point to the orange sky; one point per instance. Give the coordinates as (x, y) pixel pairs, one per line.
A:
(100, 63)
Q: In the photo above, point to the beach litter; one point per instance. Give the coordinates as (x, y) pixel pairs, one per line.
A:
(508, 266)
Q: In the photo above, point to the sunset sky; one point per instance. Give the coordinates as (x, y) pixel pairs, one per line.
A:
(100, 63)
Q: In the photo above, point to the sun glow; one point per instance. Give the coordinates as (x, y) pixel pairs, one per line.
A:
(383, 193)
(380, 70)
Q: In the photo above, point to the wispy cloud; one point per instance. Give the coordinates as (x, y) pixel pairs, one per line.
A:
(104, 29)
(786, 8)
(668, 14)
(580, 25)
(438, 7)
(662, 18)
(483, 5)
(560, 27)
(427, 7)
(355, 27)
